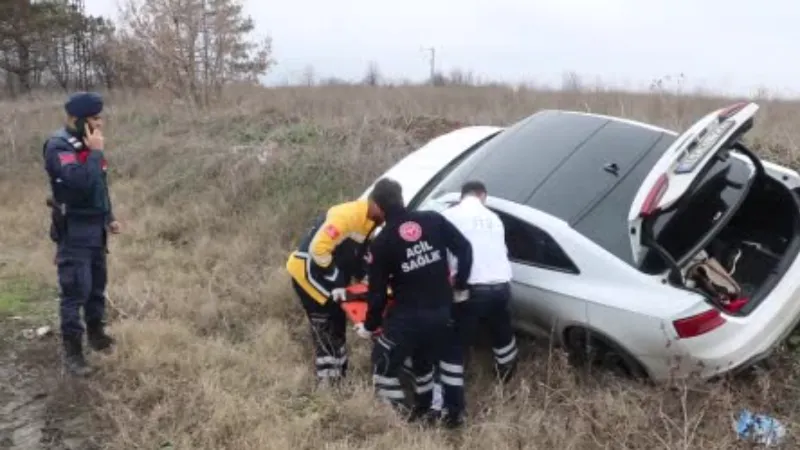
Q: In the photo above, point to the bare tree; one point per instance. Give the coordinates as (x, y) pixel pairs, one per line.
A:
(196, 47)
(309, 77)
(460, 78)
(373, 75)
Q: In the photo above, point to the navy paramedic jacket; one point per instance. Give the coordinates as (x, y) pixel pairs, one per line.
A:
(79, 187)
(410, 255)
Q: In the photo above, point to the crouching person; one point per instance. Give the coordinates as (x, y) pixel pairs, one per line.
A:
(321, 267)
(410, 254)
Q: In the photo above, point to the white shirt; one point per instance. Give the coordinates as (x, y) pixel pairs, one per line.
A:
(484, 230)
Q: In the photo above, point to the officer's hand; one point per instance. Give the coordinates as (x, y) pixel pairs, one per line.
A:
(361, 331)
(115, 227)
(339, 294)
(460, 296)
(94, 139)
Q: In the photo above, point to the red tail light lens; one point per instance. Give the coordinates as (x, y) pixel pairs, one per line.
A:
(698, 324)
(654, 196)
(731, 110)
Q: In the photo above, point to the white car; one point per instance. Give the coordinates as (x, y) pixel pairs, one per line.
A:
(665, 254)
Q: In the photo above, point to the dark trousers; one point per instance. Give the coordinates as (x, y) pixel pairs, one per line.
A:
(82, 278)
(488, 305)
(328, 332)
(428, 339)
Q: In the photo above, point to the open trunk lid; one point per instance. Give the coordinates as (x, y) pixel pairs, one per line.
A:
(673, 175)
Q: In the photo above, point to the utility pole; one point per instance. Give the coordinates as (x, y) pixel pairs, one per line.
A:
(432, 61)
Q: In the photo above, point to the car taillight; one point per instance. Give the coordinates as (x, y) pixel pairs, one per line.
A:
(698, 324)
(731, 110)
(654, 196)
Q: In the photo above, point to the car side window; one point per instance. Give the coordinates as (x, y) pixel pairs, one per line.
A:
(528, 244)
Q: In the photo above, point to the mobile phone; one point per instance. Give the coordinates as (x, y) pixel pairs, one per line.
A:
(80, 125)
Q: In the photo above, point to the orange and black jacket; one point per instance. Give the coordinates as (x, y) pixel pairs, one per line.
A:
(328, 256)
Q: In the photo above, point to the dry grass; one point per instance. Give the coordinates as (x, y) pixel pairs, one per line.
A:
(214, 351)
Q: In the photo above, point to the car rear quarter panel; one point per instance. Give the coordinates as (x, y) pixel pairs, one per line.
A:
(783, 174)
(608, 296)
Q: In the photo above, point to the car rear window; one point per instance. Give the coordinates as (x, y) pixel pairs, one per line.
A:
(681, 229)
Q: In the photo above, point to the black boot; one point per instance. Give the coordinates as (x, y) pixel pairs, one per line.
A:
(74, 360)
(98, 339)
(452, 420)
(423, 415)
(505, 372)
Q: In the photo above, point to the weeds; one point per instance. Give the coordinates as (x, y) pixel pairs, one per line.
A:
(213, 347)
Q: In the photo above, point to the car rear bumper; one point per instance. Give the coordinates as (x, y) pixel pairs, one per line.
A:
(741, 342)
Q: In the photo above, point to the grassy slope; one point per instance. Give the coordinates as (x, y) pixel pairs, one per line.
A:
(214, 350)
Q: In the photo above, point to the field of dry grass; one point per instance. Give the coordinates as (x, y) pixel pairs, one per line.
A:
(213, 350)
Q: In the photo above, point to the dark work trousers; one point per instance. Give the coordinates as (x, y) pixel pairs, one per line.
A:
(428, 338)
(82, 278)
(328, 333)
(488, 305)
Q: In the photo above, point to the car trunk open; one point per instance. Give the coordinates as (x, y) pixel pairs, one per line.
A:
(735, 263)
(729, 234)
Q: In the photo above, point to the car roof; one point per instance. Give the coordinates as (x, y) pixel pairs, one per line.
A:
(582, 168)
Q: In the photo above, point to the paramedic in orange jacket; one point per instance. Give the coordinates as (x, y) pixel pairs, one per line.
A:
(327, 258)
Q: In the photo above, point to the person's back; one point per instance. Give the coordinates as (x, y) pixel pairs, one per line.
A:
(490, 276)
(410, 257)
(321, 267)
(326, 255)
(415, 246)
(486, 233)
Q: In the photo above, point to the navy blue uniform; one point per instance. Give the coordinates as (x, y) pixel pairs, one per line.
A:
(410, 256)
(81, 210)
(488, 304)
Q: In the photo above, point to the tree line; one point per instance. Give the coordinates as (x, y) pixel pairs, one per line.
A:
(189, 48)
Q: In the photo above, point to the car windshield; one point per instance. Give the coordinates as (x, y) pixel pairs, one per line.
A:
(678, 231)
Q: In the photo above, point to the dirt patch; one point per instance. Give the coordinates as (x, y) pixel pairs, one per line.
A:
(39, 409)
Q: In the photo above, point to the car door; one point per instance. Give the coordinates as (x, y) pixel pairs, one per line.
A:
(540, 269)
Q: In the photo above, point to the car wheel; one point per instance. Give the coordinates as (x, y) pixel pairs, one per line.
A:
(588, 349)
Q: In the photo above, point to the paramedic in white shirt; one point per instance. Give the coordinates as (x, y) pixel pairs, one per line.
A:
(489, 282)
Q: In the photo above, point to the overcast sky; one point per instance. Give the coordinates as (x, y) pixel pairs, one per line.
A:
(734, 46)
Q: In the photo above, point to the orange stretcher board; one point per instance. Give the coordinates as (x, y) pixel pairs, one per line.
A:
(355, 306)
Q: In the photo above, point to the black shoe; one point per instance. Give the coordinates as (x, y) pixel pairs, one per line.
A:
(98, 339)
(505, 372)
(74, 360)
(452, 420)
(424, 416)
(329, 382)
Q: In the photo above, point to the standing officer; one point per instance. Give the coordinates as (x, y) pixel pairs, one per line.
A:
(489, 280)
(81, 215)
(329, 255)
(410, 254)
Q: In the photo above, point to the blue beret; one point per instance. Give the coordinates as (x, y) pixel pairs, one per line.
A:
(84, 104)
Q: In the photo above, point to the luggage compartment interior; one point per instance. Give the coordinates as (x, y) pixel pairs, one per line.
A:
(747, 253)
